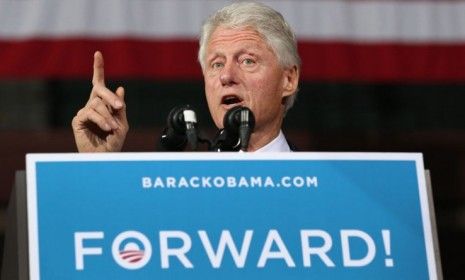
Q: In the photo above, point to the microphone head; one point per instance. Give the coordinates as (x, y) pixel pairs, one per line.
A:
(175, 119)
(180, 129)
(235, 117)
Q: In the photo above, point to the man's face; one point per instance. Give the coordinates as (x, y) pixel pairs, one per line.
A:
(240, 69)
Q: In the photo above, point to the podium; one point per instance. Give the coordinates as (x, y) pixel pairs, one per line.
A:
(15, 250)
(222, 216)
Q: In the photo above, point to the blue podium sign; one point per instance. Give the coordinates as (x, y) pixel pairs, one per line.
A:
(229, 216)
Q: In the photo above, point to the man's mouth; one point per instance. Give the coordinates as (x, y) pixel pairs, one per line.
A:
(231, 100)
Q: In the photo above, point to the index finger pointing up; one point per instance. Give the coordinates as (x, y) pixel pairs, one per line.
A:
(98, 77)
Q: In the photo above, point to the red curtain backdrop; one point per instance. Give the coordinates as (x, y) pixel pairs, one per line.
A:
(338, 40)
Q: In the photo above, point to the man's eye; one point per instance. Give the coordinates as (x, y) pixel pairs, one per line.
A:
(217, 65)
(248, 61)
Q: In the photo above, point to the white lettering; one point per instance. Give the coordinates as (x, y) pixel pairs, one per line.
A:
(183, 183)
(312, 181)
(228, 181)
(170, 182)
(282, 253)
(158, 183)
(298, 182)
(255, 181)
(243, 182)
(226, 241)
(206, 182)
(194, 181)
(231, 182)
(346, 257)
(133, 249)
(319, 251)
(80, 250)
(180, 253)
(146, 182)
(286, 182)
(269, 182)
(218, 182)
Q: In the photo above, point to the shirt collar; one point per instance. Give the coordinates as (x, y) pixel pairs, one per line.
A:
(279, 144)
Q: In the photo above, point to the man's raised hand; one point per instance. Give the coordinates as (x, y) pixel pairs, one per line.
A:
(101, 126)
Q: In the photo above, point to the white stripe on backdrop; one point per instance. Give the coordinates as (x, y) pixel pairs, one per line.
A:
(349, 20)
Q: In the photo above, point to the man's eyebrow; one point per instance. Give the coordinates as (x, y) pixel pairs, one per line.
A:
(252, 50)
(248, 51)
(214, 56)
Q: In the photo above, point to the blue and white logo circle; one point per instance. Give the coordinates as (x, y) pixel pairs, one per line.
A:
(131, 250)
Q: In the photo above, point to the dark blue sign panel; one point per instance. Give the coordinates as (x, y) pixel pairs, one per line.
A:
(229, 216)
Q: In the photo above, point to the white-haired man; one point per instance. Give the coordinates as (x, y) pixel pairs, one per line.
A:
(248, 55)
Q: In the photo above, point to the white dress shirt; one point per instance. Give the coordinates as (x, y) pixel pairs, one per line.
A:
(279, 144)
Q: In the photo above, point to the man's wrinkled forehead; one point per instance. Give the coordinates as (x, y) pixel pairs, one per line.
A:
(247, 34)
(224, 37)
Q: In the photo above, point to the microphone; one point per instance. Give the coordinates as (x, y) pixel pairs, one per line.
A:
(181, 129)
(247, 124)
(238, 124)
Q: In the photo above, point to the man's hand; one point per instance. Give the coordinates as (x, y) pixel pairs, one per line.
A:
(101, 126)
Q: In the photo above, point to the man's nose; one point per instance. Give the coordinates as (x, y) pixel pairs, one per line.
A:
(228, 74)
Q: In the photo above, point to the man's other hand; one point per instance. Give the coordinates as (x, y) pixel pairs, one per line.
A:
(101, 126)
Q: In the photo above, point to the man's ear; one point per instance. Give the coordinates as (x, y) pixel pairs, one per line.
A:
(291, 80)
